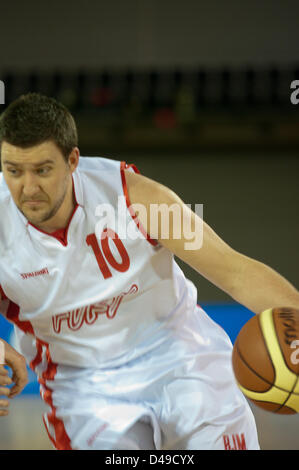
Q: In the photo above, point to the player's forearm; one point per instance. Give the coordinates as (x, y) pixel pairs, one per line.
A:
(258, 287)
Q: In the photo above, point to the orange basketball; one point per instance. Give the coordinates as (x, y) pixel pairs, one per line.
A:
(266, 360)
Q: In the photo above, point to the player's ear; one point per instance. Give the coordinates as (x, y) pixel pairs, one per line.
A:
(73, 159)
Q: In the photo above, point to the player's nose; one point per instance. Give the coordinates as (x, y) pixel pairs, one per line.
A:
(30, 185)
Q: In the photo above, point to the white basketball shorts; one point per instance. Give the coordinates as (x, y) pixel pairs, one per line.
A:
(181, 396)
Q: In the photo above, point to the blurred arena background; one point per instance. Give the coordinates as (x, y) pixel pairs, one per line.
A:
(197, 95)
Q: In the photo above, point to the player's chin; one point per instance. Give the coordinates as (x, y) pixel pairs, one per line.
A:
(35, 217)
(39, 210)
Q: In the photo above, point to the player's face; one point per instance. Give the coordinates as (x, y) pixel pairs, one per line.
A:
(39, 180)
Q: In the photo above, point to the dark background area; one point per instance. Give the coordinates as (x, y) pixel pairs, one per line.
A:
(141, 33)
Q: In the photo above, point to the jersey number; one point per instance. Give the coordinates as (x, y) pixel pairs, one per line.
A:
(105, 256)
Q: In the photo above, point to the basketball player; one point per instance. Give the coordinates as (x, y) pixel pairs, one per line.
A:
(125, 357)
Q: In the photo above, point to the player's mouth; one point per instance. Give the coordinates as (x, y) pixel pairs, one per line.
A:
(33, 203)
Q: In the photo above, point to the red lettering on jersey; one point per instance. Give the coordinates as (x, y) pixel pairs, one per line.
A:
(238, 442)
(57, 320)
(241, 442)
(106, 235)
(226, 442)
(92, 438)
(35, 273)
(76, 318)
(92, 241)
(125, 263)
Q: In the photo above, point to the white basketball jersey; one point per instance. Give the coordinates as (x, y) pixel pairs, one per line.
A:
(108, 295)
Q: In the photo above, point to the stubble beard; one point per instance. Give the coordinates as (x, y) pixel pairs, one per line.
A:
(46, 216)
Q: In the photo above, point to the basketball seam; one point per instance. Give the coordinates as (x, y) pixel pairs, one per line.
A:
(274, 410)
(252, 370)
(267, 350)
(291, 393)
(262, 378)
(268, 355)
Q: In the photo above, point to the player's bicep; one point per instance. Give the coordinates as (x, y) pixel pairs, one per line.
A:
(173, 223)
(200, 247)
(214, 259)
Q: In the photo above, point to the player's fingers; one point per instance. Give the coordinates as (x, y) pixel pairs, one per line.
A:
(3, 371)
(17, 363)
(20, 375)
(4, 404)
(20, 379)
(4, 391)
(20, 383)
(5, 380)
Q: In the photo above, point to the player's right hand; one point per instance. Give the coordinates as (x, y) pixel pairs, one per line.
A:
(17, 363)
(4, 390)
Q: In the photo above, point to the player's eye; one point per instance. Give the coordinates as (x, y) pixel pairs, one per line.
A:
(43, 171)
(13, 171)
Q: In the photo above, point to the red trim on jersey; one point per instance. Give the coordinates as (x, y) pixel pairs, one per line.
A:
(123, 166)
(12, 315)
(2, 294)
(38, 357)
(62, 440)
(61, 234)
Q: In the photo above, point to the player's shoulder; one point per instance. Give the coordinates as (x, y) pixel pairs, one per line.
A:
(142, 182)
(96, 175)
(7, 216)
(4, 191)
(97, 164)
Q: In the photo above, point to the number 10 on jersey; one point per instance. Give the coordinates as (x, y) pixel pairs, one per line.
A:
(104, 255)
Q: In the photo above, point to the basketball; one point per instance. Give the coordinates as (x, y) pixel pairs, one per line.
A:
(265, 360)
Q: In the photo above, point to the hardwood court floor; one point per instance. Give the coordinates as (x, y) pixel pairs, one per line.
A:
(23, 428)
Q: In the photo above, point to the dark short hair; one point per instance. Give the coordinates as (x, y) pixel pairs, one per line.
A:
(35, 118)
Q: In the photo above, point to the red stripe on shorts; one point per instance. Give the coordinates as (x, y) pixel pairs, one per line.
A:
(62, 440)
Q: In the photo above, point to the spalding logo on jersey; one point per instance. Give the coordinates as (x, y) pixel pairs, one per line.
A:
(76, 318)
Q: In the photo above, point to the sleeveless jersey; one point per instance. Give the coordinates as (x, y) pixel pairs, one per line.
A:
(111, 326)
(102, 297)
